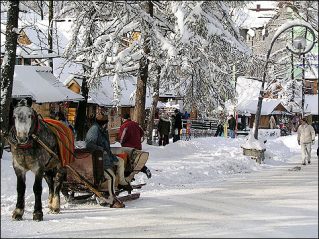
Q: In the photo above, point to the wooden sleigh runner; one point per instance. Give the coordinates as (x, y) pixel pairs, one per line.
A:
(85, 175)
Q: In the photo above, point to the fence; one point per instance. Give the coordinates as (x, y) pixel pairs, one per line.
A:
(198, 128)
(194, 129)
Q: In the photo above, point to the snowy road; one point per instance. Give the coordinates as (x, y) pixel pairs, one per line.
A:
(274, 202)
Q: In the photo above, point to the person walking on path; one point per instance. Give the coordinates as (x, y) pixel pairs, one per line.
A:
(131, 135)
(232, 126)
(97, 138)
(220, 129)
(163, 127)
(272, 122)
(178, 125)
(306, 137)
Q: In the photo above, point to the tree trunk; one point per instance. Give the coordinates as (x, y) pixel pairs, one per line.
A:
(40, 5)
(150, 123)
(50, 43)
(7, 67)
(139, 111)
(80, 121)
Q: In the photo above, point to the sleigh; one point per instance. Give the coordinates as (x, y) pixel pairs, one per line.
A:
(85, 175)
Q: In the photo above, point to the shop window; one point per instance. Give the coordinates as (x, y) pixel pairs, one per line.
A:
(18, 61)
(27, 61)
(309, 87)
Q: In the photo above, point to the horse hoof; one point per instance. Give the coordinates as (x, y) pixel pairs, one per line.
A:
(54, 210)
(17, 214)
(17, 217)
(38, 216)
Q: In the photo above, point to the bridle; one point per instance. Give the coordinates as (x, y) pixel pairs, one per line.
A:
(35, 127)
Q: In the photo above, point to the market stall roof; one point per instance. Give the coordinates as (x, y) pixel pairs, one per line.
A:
(39, 83)
(103, 94)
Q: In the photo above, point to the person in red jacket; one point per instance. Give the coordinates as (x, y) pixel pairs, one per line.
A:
(131, 135)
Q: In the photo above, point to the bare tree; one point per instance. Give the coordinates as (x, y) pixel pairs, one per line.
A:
(50, 32)
(150, 122)
(7, 67)
(139, 110)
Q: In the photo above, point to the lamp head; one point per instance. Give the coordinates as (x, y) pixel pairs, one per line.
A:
(299, 43)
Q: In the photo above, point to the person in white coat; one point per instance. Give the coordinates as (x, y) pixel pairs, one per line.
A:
(272, 122)
(306, 137)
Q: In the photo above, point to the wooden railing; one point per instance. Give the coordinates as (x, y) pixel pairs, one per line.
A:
(198, 128)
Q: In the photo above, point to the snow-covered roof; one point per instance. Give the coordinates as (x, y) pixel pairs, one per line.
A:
(103, 95)
(247, 89)
(39, 83)
(248, 18)
(311, 104)
(268, 106)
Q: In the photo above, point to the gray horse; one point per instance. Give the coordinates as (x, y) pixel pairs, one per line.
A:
(28, 154)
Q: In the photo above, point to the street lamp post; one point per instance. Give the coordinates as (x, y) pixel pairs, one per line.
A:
(299, 47)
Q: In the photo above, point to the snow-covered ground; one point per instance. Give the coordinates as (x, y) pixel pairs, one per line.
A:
(204, 187)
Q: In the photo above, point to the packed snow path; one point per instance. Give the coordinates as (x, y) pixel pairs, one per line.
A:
(275, 202)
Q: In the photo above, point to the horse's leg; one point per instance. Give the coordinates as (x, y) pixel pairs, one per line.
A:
(49, 179)
(19, 210)
(58, 180)
(37, 190)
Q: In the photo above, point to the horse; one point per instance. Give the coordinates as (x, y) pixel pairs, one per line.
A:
(28, 154)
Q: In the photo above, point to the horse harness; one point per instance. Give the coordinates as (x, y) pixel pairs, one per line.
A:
(32, 137)
(34, 130)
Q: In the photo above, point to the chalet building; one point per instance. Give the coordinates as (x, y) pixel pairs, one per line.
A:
(48, 94)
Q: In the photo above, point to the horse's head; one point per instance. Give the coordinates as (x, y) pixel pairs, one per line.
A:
(23, 116)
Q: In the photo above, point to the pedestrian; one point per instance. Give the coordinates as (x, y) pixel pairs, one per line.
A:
(172, 130)
(295, 122)
(63, 119)
(232, 126)
(272, 122)
(163, 129)
(178, 125)
(306, 137)
(220, 129)
(186, 115)
(97, 138)
(131, 135)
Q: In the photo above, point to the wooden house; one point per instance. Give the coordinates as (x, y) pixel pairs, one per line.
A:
(48, 94)
(269, 107)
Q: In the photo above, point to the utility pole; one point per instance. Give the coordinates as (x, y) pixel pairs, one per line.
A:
(303, 87)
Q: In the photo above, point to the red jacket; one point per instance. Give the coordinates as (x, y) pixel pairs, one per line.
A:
(130, 134)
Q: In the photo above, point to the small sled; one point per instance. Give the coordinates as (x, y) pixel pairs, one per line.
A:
(85, 176)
